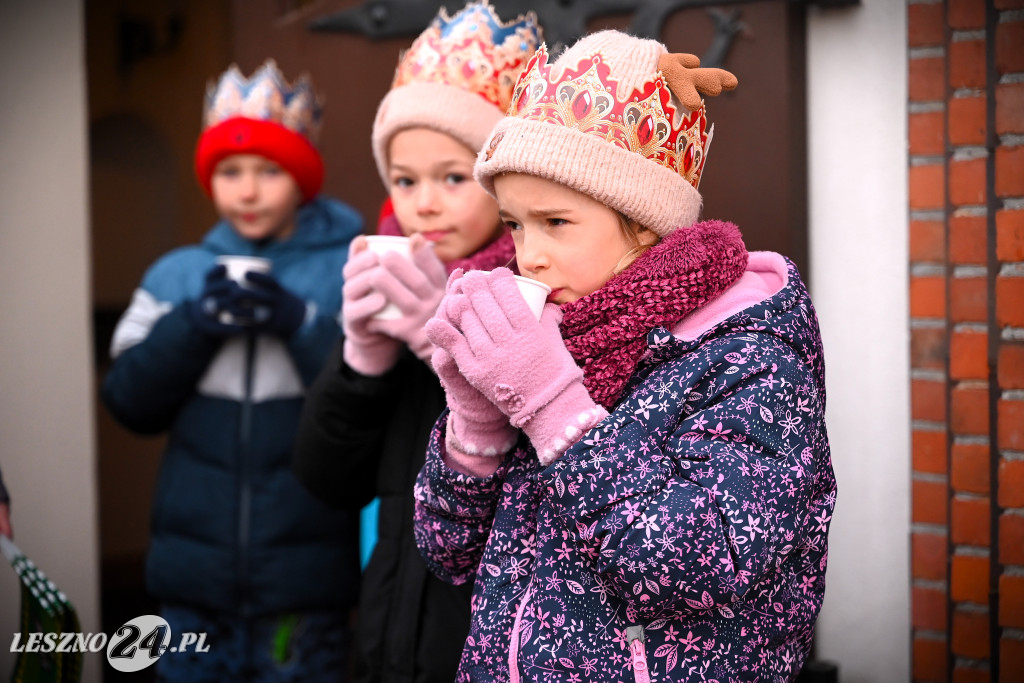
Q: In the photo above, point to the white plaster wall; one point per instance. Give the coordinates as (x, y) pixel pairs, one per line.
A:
(47, 451)
(857, 94)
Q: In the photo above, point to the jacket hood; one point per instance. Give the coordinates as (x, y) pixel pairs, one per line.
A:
(319, 223)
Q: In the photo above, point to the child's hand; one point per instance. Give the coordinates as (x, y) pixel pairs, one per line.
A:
(517, 362)
(365, 351)
(416, 287)
(220, 295)
(273, 308)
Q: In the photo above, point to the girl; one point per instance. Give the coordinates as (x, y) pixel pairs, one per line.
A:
(660, 507)
(368, 418)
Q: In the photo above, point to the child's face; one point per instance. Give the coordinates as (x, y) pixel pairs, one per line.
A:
(434, 194)
(565, 239)
(256, 195)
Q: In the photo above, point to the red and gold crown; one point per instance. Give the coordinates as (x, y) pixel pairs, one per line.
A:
(473, 50)
(645, 121)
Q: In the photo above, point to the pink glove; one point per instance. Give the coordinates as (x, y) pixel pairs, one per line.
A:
(477, 429)
(415, 286)
(365, 351)
(517, 363)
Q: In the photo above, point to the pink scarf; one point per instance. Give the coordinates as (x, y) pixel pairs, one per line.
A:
(606, 331)
(500, 252)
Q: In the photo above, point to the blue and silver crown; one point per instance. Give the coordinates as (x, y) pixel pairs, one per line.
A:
(266, 96)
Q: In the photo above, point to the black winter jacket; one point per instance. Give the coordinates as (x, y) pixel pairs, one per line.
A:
(364, 437)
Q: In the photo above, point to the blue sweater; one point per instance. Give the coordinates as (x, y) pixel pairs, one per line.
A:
(232, 529)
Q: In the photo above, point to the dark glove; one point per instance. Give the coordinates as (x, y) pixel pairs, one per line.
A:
(219, 305)
(273, 308)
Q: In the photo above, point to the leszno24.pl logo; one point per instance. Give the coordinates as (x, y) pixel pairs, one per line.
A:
(133, 647)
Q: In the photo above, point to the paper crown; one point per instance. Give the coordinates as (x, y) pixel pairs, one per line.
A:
(588, 99)
(266, 96)
(473, 50)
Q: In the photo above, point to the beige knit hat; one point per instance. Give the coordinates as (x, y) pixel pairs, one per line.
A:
(457, 78)
(617, 118)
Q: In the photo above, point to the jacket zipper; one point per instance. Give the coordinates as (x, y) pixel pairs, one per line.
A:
(513, 646)
(245, 488)
(638, 653)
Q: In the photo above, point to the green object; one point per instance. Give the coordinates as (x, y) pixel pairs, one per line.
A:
(283, 638)
(44, 609)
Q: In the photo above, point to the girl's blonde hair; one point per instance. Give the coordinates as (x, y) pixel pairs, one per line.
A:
(640, 237)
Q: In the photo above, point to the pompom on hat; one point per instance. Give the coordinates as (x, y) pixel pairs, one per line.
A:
(262, 115)
(456, 78)
(617, 118)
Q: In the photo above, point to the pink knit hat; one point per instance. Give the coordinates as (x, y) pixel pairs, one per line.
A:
(457, 78)
(617, 118)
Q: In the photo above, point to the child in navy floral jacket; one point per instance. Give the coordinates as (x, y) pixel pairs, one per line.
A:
(639, 482)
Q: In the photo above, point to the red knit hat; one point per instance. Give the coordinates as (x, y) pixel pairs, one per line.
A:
(262, 115)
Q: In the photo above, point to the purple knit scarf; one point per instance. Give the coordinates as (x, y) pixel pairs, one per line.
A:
(606, 331)
(495, 254)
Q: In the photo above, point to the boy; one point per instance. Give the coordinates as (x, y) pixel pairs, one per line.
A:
(238, 549)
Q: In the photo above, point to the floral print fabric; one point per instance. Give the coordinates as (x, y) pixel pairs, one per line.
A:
(698, 510)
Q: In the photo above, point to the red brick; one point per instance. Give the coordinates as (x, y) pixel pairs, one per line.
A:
(967, 242)
(1009, 55)
(1011, 433)
(968, 355)
(970, 468)
(967, 182)
(928, 400)
(931, 663)
(927, 187)
(928, 607)
(967, 121)
(965, 15)
(969, 414)
(1011, 601)
(1011, 539)
(929, 502)
(1009, 4)
(968, 300)
(1010, 171)
(925, 25)
(962, 674)
(926, 133)
(1009, 301)
(928, 559)
(1010, 368)
(1011, 660)
(928, 241)
(927, 79)
(967, 64)
(1011, 483)
(928, 348)
(1009, 235)
(1010, 108)
(971, 524)
(929, 451)
(928, 297)
(970, 634)
(969, 579)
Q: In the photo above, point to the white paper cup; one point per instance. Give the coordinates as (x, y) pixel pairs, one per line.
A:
(237, 267)
(535, 293)
(381, 244)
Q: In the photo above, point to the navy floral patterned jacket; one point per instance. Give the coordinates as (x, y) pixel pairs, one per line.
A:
(684, 538)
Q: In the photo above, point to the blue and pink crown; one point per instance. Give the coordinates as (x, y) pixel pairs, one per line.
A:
(474, 50)
(265, 96)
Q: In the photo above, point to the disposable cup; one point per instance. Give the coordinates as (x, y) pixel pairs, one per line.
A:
(535, 293)
(237, 267)
(381, 244)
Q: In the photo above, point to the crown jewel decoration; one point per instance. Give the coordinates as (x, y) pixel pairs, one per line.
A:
(266, 96)
(473, 50)
(587, 98)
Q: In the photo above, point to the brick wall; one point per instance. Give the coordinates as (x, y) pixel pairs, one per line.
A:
(966, 136)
